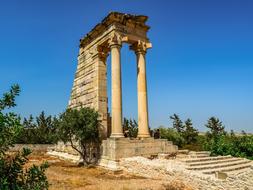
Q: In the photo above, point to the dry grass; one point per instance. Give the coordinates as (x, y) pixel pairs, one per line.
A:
(177, 185)
(64, 175)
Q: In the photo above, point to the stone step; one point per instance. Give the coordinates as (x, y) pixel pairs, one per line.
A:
(184, 151)
(189, 160)
(200, 153)
(236, 172)
(208, 162)
(182, 156)
(199, 156)
(227, 169)
(219, 165)
(185, 156)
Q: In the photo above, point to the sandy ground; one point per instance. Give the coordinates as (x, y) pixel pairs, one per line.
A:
(67, 176)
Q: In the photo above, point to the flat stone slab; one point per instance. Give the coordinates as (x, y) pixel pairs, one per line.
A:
(65, 156)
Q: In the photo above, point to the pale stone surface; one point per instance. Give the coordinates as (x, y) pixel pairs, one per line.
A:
(65, 156)
(170, 170)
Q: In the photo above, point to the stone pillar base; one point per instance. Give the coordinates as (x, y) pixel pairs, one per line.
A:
(113, 149)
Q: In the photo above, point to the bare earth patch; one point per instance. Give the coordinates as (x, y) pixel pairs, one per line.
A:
(67, 176)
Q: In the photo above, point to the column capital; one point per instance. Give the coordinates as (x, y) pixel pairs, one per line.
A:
(103, 52)
(140, 47)
(115, 40)
(99, 51)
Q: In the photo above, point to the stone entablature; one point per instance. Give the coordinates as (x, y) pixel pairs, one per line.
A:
(124, 23)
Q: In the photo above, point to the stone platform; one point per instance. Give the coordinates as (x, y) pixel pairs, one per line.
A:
(114, 149)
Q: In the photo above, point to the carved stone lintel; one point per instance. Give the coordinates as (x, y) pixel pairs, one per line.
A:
(140, 47)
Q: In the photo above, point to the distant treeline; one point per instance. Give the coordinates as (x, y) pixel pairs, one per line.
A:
(38, 130)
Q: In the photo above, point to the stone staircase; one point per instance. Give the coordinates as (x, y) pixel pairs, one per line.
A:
(223, 166)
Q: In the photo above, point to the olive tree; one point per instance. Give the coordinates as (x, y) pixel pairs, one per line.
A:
(80, 127)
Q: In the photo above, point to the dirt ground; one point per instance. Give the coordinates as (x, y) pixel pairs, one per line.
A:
(63, 175)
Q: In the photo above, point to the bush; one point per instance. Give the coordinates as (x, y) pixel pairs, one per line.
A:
(239, 146)
(219, 142)
(12, 173)
(172, 135)
(81, 129)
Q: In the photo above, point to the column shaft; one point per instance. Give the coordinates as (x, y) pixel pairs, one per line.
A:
(143, 126)
(116, 99)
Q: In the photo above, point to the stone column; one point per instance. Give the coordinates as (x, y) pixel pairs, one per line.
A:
(116, 99)
(143, 126)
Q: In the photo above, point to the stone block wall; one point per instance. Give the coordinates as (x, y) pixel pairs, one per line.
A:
(90, 85)
(117, 148)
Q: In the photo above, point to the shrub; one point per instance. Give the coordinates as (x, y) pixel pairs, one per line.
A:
(81, 129)
(172, 135)
(12, 173)
(219, 142)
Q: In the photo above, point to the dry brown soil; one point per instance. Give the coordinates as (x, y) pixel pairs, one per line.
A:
(67, 176)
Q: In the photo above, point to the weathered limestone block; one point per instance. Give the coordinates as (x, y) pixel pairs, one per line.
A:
(114, 149)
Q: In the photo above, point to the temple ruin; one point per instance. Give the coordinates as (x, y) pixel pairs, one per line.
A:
(90, 84)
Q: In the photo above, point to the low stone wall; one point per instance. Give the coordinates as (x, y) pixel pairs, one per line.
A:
(33, 147)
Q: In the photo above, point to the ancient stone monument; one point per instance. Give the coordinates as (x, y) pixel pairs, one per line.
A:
(89, 87)
(90, 84)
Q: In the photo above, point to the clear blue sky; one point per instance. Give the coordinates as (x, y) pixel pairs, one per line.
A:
(201, 63)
